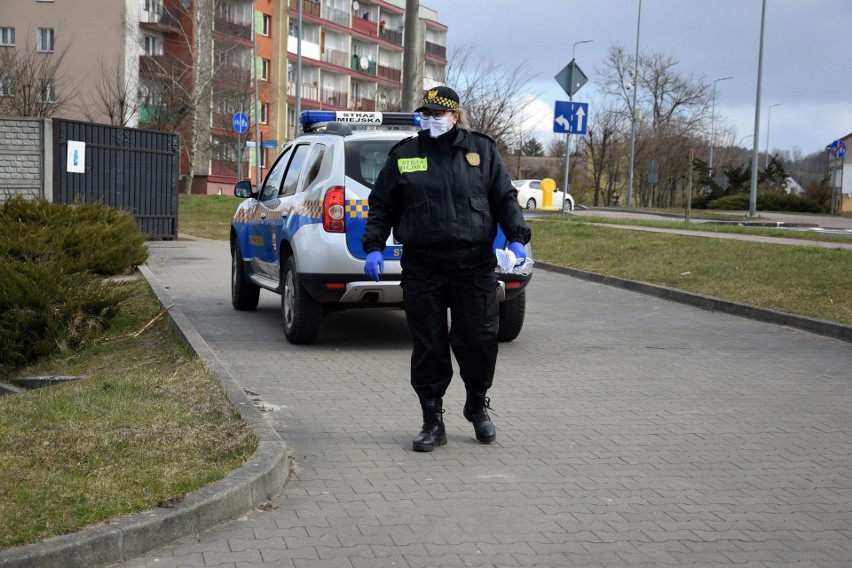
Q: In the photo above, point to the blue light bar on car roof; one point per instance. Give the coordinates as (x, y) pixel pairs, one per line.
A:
(310, 118)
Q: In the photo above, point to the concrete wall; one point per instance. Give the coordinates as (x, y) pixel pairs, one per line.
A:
(26, 158)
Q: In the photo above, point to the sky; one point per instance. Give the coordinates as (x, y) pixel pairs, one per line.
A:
(805, 56)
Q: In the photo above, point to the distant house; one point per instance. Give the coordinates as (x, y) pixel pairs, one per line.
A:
(840, 176)
(793, 187)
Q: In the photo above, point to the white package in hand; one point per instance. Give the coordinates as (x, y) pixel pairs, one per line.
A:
(509, 263)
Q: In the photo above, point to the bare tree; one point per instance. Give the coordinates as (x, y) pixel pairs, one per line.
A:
(604, 139)
(676, 105)
(115, 96)
(31, 80)
(176, 92)
(228, 146)
(490, 94)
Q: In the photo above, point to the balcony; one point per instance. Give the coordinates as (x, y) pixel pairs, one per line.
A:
(340, 17)
(154, 65)
(390, 73)
(392, 36)
(356, 65)
(435, 50)
(335, 98)
(233, 75)
(309, 7)
(335, 57)
(163, 22)
(309, 91)
(365, 27)
(364, 104)
(234, 29)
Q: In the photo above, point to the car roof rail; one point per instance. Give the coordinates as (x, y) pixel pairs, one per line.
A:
(344, 121)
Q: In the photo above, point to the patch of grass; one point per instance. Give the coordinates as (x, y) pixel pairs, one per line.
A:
(206, 216)
(808, 281)
(147, 426)
(718, 228)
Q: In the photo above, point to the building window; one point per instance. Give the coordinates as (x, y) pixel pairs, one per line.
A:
(264, 69)
(44, 39)
(153, 45)
(154, 6)
(264, 113)
(267, 25)
(47, 93)
(7, 37)
(7, 88)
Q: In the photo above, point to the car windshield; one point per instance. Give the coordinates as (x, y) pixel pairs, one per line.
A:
(366, 158)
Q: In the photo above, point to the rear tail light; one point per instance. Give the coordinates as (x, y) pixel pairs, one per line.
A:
(334, 210)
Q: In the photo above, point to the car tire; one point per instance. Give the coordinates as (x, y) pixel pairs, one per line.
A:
(512, 314)
(531, 204)
(245, 294)
(301, 314)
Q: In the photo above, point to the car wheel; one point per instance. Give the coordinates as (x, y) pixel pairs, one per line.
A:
(531, 204)
(301, 315)
(244, 293)
(570, 205)
(512, 317)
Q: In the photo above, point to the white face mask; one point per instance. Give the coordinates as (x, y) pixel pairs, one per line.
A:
(437, 126)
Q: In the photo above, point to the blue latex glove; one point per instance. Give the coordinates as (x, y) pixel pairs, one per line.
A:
(375, 265)
(520, 252)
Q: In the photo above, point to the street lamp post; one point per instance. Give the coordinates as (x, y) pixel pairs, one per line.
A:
(633, 113)
(768, 122)
(752, 201)
(568, 136)
(713, 126)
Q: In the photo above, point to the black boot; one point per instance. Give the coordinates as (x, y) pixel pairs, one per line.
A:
(475, 412)
(433, 433)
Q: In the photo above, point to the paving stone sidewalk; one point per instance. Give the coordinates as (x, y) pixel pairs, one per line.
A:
(631, 431)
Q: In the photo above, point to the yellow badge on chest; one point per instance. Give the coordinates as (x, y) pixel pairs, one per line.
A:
(409, 165)
(472, 158)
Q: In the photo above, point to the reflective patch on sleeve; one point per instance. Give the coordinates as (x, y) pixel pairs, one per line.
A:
(408, 165)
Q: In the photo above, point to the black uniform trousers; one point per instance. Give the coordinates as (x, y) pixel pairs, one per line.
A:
(463, 281)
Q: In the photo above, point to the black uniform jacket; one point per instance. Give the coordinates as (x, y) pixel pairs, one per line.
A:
(448, 192)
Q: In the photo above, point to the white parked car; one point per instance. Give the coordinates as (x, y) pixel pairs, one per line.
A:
(530, 195)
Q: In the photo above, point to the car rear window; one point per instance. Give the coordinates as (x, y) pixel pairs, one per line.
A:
(366, 158)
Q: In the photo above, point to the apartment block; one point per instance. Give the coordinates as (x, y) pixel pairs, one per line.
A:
(190, 66)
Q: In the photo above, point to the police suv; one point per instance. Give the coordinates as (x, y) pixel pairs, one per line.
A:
(300, 235)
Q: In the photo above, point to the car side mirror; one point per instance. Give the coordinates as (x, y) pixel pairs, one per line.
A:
(244, 189)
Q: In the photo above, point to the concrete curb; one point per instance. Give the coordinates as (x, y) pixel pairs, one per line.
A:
(821, 327)
(242, 490)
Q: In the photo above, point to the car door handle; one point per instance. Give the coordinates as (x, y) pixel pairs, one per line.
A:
(263, 216)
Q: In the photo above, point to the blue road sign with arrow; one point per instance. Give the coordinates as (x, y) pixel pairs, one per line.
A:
(570, 117)
(241, 122)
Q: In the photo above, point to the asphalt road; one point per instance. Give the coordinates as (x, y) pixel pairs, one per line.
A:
(631, 431)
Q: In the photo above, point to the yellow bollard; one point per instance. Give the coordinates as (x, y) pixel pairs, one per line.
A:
(547, 187)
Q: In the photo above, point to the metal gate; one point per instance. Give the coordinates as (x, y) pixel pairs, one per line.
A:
(126, 168)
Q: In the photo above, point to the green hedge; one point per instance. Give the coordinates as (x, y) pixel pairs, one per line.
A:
(769, 201)
(53, 259)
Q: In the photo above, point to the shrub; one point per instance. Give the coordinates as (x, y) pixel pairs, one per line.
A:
(52, 258)
(769, 201)
(83, 237)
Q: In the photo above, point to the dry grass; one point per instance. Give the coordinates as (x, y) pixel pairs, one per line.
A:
(808, 281)
(147, 426)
